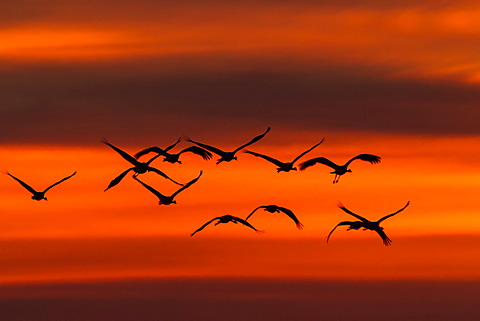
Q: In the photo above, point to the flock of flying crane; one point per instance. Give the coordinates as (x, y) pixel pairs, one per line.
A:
(205, 151)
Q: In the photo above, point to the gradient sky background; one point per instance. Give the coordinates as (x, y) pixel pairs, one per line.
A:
(399, 79)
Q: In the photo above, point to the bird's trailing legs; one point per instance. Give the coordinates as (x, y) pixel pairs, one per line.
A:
(336, 178)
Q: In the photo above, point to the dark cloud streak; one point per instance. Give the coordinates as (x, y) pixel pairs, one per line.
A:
(76, 105)
(245, 299)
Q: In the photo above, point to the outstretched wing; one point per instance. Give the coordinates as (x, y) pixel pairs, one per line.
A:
(117, 179)
(239, 220)
(263, 206)
(173, 145)
(151, 189)
(25, 185)
(372, 159)
(215, 150)
(159, 172)
(206, 155)
(63, 179)
(340, 205)
(154, 149)
(385, 239)
(125, 155)
(193, 181)
(307, 151)
(268, 158)
(321, 160)
(390, 215)
(204, 225)
(290, 214)
(339, 224)
(255, 139)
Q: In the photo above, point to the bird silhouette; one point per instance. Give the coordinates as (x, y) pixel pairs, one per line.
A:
(138, 168)
(167, 200)
(366, 224)
(339, 170)
(38, 196)
(227, 156)
(174, 158)
(225, 219)
(284, 167)
(278, 209)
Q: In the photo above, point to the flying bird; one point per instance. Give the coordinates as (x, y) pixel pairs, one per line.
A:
(228, 156)
(38, 196)
(174, 158)
(166, 200)
(284, 167)
(138, 168)
(339, 170)
(366, 224)
(225, 219)
(278, 209)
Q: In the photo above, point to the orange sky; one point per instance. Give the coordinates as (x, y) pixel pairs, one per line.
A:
(442, 215)
(397, 79)
(415, 41)
(435, 190)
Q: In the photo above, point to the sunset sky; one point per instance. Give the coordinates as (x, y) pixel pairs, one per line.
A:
(398, 79)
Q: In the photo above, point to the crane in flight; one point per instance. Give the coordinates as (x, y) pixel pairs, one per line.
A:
(226, 219)
(138, 167)
(167, 200)
(282, 166)
(339, 170)
(227, 156)
(174, 158)
(366, 224)
(38, 196)
(278, 209)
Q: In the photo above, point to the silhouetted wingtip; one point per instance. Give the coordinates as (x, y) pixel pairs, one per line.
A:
(321, 141)
(110, 186)
(300, 226)
(303, 166)
(260, 231)
(206, 155)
